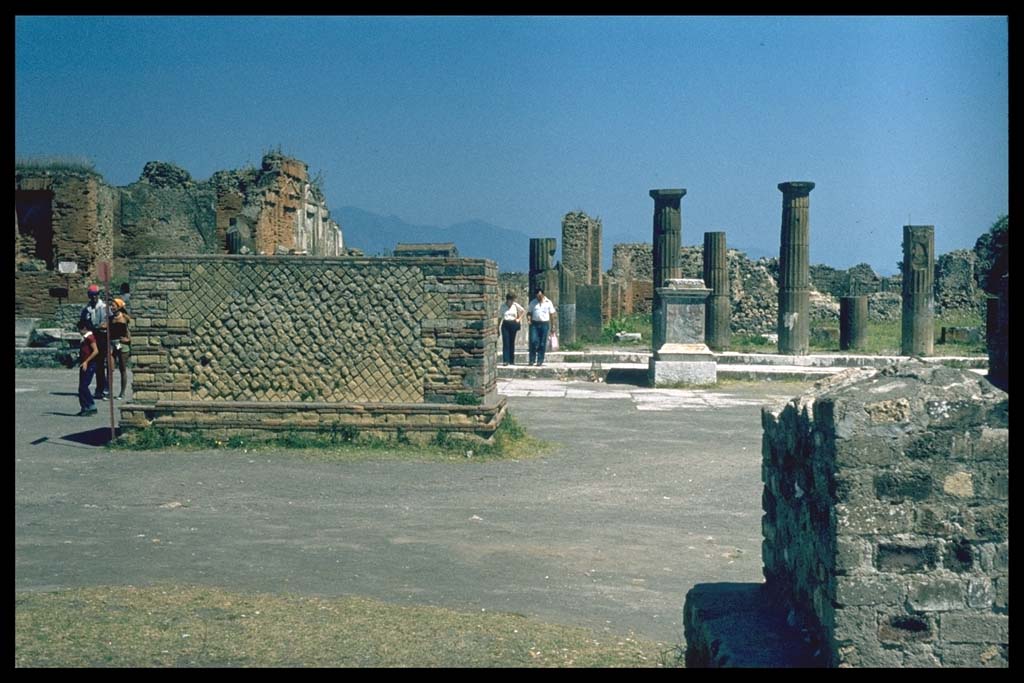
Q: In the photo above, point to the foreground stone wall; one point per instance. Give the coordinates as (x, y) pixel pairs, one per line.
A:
(294, 334)
(886, 529)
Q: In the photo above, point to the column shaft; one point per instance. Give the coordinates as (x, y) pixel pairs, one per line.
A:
(918, 290)
(794, 269)
(718, 313)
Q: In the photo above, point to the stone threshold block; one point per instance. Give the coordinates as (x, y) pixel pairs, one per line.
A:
(738, 625)
(419, 422)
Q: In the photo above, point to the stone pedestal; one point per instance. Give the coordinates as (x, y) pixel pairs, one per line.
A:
(718, 315)
(918, 290)
(680, 354)
(795, 269)
(853, 323)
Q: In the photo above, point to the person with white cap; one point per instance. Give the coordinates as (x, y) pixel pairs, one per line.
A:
(95, 313)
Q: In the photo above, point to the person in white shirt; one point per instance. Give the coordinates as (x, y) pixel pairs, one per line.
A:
(512, 315)
(540, 314)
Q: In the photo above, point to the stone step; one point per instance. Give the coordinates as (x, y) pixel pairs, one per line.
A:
(23, 331)
(839, 361)
(737, 625)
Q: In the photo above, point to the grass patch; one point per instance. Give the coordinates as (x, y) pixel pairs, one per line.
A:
(346, 444)
(175, 626)
(637, 322)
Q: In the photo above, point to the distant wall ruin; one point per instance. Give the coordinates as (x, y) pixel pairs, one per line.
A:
(68, 214)
(236, 343)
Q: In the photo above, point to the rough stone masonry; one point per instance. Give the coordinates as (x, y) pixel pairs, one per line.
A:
(886, 529)
(385, 346)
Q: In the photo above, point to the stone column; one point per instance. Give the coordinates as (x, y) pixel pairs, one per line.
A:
(795, 269)
(668, 230)
(718, 314)
(853, 323)
(566, 306)
(542, 253)
(682, 357)
(918, 290)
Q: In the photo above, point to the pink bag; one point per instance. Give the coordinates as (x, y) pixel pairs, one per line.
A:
(553, 341)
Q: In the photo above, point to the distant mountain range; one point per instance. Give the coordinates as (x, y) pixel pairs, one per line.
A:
(377, 235)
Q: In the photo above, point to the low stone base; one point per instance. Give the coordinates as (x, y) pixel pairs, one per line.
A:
(416, 422)
(682, 364)
(737, 625)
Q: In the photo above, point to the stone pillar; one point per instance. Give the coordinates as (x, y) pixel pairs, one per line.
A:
(918, 290)
(853, 323)
(682, 357)
(566, 306)
(718, 314)
(542, 253)
(668, 229)
(795, 269)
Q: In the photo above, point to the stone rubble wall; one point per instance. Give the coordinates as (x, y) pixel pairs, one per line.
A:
(581, 247)
(82, 220)
(165, 212)
(886, 516)
(300, 330)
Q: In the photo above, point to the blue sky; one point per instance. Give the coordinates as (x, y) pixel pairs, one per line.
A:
(518, 120)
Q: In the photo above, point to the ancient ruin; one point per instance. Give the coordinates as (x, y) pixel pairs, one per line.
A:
(918, 290)
(68, 213)
(682, 358)
(716, 276)
(668, 228)
(853, 323)
(794, 269)
(391, 347)
(886, 530)
(581, 247)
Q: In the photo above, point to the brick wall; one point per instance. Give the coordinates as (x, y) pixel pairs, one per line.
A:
(886, 516)
(272, 330)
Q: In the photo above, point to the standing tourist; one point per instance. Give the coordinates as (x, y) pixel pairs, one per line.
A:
(120, 338)
(86, 368)
(95, 313)
(540, 314)
(512, 315)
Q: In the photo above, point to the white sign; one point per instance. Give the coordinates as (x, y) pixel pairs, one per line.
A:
(67, 267)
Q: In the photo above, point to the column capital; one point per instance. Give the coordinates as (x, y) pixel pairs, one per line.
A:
(667, 195)
(798, 188)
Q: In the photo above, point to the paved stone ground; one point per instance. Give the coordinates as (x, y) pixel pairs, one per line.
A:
(644, 494)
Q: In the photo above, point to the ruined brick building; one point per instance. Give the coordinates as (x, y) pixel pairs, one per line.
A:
(68, 213)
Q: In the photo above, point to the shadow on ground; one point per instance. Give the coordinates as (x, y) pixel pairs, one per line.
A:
(627, 376)
(93, 437)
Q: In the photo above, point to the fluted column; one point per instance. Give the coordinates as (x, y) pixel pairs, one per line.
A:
(542, 253)
(853, 323)
(795, 269)
(718, 313)
(668, 228)
(918, 290)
